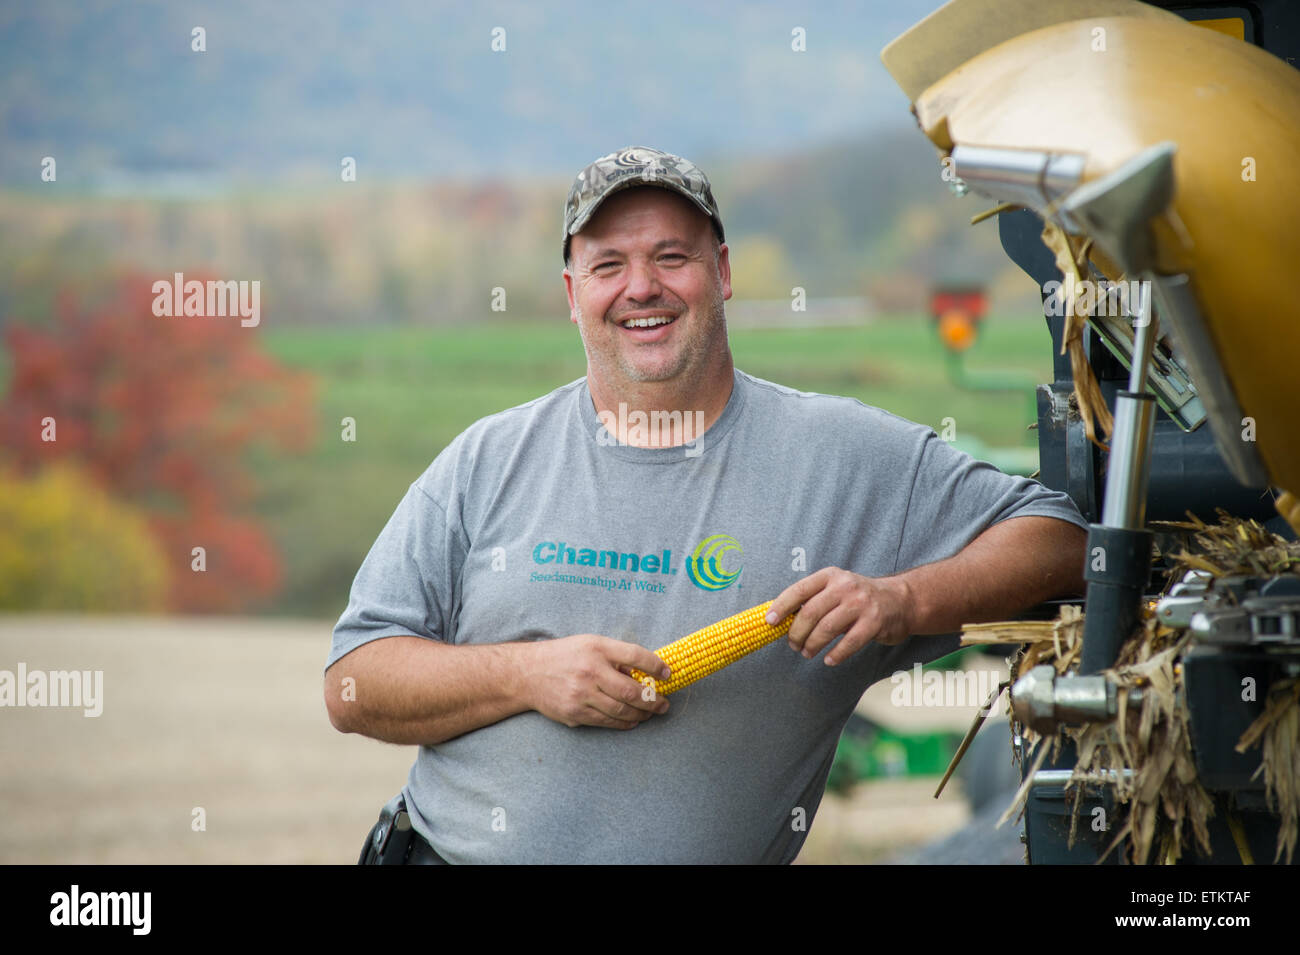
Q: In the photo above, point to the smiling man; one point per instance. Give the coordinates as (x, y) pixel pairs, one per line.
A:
(540, 558)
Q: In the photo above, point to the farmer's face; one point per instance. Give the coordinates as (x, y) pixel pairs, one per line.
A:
(646, 281)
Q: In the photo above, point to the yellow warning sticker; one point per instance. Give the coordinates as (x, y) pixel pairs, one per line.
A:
(1232, 26)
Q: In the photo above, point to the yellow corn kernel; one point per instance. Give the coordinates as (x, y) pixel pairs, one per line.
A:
(709, 650)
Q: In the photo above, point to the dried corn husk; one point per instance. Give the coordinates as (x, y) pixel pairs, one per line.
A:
(1092, 404)
(1279, 729)
(1234, 546)
(1163, 796)
(1164, 803)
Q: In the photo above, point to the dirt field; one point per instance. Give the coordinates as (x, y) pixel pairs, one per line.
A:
(226, 715)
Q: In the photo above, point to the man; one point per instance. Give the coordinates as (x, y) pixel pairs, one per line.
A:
(550, 548)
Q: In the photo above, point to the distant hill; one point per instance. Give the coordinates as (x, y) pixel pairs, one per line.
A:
(285, 89)
(860, 216)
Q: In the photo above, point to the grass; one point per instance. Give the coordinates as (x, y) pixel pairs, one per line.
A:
(411, 390)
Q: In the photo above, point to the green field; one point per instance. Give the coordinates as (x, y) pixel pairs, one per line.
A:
(411, 390)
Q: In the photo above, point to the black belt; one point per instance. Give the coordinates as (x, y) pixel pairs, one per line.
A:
(421, 853)
(393, 840)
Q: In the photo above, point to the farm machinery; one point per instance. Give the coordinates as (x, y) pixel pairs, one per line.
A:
(1141, 162)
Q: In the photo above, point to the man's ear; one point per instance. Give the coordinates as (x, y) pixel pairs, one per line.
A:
(724, 270)
(568, 290)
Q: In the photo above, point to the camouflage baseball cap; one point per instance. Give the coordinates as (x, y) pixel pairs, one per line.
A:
(635, 166)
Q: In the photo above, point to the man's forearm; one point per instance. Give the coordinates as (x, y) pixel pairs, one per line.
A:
(411, 690)
(1012, 565)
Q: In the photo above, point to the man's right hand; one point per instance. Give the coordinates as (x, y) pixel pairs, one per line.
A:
(584, 680)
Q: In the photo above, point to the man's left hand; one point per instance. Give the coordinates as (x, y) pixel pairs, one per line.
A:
(836, 601)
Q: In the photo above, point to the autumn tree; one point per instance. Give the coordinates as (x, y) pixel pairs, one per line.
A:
(165, 414)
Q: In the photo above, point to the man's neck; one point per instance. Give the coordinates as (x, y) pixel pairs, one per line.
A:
(657, 414)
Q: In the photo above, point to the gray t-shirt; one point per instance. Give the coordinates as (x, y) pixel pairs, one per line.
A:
(533, 525)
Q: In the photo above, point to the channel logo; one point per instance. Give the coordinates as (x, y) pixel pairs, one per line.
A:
(708, 566)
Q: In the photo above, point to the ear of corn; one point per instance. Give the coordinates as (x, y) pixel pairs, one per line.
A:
(709, 650)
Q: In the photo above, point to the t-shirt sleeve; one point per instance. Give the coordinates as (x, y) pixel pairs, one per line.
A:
(407, 584)
(955, 498)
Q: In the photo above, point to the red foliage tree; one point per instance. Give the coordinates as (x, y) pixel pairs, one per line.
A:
(163, 413)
